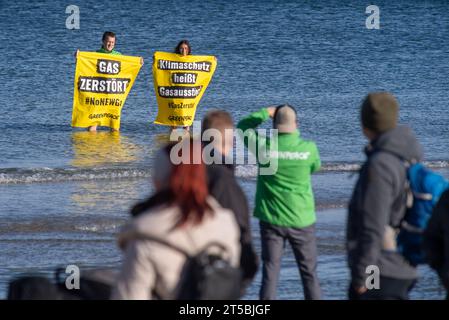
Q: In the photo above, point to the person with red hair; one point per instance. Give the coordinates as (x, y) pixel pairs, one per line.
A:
(181, 213)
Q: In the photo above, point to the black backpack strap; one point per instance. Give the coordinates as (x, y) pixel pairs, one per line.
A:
(165, 243)
(181, 250)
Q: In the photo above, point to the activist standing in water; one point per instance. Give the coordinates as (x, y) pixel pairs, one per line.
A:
(183, 48)
(108, 45)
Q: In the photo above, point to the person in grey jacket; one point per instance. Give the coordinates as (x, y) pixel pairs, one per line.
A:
(378, 204)
(218, 126)
(436, 240)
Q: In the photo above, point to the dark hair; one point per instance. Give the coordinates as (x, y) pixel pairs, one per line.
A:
(178, 47)
(188, 182)
(187, 188)
(283, 106)
(217, 119)
(108, 34)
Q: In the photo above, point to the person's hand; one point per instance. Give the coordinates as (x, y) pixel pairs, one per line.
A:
(141, 61)
(271, 110)
(77, 53)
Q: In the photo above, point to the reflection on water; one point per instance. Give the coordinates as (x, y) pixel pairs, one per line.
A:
(97, 148)
(112, 197)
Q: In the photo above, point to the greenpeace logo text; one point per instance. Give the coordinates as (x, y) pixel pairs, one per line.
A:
(286, 155)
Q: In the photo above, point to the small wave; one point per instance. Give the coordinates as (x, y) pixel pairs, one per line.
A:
(437, 164)
(250, 171)
(49, 175)
(327, 206)
(340, 167)
(42, 175)
(61, 225)
(99, 228)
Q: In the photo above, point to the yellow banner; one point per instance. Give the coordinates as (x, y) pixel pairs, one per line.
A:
(102, 83)
(180, 82)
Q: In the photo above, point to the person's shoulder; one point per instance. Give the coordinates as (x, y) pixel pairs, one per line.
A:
(219, 170)
(385, 157)
(156, 218)
(387, 165)
(223, 216)
(222, 177)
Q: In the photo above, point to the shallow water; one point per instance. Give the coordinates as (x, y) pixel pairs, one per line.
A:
(64, 192)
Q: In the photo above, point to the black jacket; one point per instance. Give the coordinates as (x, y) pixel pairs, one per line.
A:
(436, 239)
(224, 188)
(379, 201)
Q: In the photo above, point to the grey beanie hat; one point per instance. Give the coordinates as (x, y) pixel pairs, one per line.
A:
(379, 111)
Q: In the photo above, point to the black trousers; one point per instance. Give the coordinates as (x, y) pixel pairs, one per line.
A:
(389, 289)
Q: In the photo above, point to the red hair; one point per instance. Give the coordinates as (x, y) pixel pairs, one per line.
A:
(188, 184)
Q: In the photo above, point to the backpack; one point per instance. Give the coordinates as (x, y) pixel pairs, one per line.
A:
(33, 287)
(424, 188)
(206, 275)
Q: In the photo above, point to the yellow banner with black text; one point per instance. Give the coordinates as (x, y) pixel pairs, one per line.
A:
(179, 83)
(102, 83)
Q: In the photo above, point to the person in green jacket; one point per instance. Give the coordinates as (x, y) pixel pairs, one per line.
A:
(285, 203)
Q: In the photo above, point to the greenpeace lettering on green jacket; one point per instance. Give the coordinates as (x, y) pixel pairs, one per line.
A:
(284, 198)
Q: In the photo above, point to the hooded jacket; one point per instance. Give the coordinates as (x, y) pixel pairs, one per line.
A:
(378, 205)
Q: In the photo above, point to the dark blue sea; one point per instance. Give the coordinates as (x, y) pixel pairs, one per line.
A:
(65, 193)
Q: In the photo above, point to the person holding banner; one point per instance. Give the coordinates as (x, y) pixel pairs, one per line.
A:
(183, 48)
(108, 44)
(102, 84)
(180, 80)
